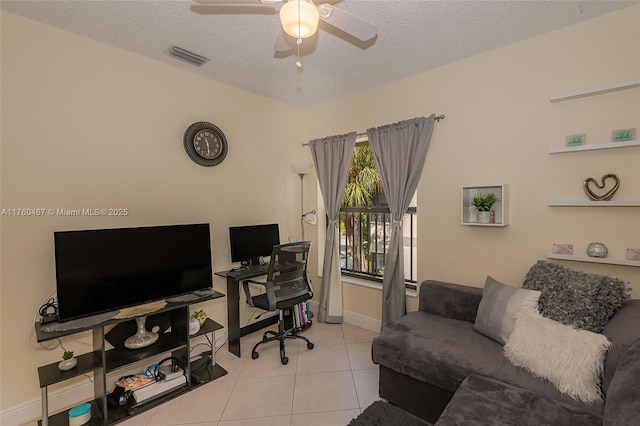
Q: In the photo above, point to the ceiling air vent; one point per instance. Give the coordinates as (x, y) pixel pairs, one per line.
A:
(185, 55)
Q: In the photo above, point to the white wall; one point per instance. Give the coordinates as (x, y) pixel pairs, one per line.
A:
(498, 128)
(86, 125)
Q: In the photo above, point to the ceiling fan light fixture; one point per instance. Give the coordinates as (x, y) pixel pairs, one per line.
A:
(299, 18)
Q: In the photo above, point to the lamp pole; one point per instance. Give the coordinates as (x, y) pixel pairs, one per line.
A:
(302, 204)
(302, 169)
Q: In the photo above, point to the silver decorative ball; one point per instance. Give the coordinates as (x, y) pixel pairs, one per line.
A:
(597, 250)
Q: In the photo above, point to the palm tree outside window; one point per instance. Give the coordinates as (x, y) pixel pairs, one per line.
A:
(365, 223)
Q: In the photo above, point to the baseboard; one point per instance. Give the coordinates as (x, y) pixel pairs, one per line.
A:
(67, 397)
(59, 400)
(362, 321)
(353, 318)
(70, 396)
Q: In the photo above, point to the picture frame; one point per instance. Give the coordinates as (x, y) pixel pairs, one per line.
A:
(623, 135)
(564, 249)
(633, 254)
(576, 140)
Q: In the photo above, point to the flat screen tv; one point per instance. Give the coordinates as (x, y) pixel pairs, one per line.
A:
(250, 243)
(104, 270)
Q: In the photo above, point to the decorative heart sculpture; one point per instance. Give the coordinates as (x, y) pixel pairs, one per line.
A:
(606, 196)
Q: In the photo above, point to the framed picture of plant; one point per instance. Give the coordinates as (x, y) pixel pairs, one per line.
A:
(577, 140)
(623, 135)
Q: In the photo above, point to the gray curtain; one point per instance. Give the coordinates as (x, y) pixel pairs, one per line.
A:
(400, 150)
(332, 159)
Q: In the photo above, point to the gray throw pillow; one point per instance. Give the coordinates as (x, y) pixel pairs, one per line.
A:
(583, 300)
(497, 309)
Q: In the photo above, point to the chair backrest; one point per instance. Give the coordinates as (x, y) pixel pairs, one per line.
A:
(288, 271)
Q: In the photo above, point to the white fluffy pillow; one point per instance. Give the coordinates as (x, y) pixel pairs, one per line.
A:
(572, 360)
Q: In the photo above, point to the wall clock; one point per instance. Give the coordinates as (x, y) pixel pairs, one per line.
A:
(205, 144)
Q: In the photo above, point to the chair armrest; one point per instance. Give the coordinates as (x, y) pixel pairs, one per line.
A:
(271, 297)
(310, 287)
(247, 293)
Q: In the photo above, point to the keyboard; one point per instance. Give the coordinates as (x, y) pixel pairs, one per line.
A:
(251, 270)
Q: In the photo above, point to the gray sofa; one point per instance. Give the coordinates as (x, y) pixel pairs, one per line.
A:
(434, 364)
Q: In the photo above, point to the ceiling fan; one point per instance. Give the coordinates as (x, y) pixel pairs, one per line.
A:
(299, 18)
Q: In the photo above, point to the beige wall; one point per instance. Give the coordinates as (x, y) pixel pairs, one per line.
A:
(88, 125)
(499, 127)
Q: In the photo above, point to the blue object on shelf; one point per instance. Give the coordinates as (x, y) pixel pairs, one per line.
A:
(80, 414)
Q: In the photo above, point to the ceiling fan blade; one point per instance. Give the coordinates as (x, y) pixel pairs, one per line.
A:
(236, 2)
(347, 22)
(281, 44)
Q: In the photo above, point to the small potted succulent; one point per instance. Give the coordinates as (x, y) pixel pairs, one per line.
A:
(483, 204)
(197, 321)
(68, 361)
(200, 315)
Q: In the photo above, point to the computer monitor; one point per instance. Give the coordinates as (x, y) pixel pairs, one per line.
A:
(250, 243)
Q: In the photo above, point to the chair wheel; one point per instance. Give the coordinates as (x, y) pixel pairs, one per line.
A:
(310, 345)
(284, 360)
(254, 355)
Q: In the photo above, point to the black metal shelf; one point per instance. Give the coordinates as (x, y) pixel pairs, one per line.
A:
(118, 358)
(202, 371)
(102, 362)
(208, 327)
(50, 374)
(93, 322)
(62, 418)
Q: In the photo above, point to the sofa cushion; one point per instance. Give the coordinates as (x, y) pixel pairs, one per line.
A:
(622, 331)
(497, 309)
(484, 401)
(570, 359)
(443, 352)
(623, 398)
(576, 298)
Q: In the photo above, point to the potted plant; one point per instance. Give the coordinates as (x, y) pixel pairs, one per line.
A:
(197, 321)
(483, 204)
(68, 361)
(200, 316)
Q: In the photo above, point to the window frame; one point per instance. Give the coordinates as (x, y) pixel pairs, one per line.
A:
(409, 284)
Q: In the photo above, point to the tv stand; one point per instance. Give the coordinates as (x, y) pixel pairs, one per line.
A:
(103, 362)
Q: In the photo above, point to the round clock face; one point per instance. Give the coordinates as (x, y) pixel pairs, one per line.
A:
(205, 144)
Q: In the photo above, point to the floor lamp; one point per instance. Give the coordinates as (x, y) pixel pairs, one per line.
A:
(302, 169)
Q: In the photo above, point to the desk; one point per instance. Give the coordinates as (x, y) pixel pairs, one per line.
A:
(234, 278)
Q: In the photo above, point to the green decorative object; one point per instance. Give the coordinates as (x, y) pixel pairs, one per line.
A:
(483, 203)
(576, 140)
(200, 315)
(68, 361)
(624, 135)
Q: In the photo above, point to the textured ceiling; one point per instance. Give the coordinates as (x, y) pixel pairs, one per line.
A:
(413, 36)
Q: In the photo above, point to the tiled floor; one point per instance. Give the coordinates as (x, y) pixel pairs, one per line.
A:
(326, 386)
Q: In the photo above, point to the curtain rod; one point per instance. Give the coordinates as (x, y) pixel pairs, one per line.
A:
(361, 135)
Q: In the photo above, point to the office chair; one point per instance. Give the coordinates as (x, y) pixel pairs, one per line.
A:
(287, 285)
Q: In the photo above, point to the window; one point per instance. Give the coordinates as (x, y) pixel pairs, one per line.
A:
(364, 223)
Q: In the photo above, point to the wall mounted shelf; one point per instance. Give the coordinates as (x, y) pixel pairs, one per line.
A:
(595, 91)
(468, 215)
(604, 145)
(581, 256)
(584, 202)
